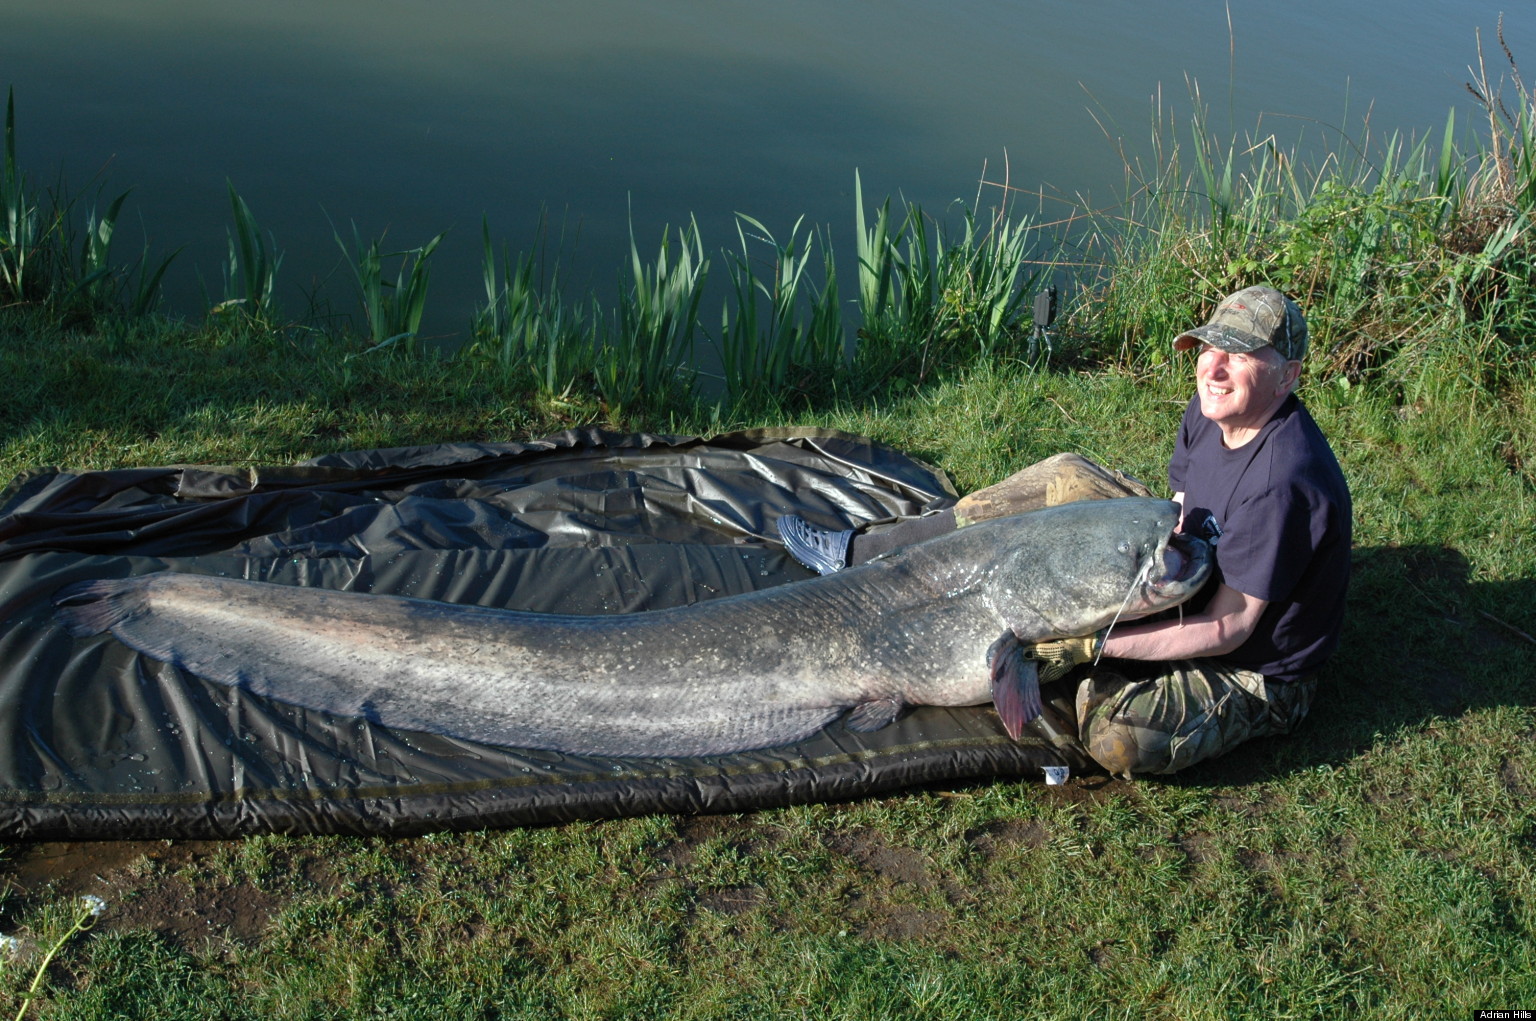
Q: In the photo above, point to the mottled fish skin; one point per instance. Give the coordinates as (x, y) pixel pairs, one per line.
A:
(919, 627)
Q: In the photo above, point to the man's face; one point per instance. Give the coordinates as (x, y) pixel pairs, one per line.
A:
(1240, 390)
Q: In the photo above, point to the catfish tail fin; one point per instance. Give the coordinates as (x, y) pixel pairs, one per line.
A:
(91, 607)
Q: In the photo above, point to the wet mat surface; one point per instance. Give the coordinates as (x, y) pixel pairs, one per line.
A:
(100, 742)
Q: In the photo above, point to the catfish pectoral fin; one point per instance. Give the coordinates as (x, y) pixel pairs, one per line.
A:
(873, 715)
(1015, 684)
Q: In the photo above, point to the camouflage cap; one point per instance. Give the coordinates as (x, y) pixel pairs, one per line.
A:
(1252, 318)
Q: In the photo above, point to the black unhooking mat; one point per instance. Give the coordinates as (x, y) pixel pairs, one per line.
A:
(99, 742)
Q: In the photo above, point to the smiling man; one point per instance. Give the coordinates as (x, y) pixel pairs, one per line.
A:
(1258, 481)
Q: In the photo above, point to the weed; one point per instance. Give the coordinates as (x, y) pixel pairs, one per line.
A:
(526, 328)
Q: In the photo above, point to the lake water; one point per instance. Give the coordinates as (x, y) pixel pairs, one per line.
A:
(420, 117)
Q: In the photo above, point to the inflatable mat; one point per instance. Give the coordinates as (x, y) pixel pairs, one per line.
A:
(98, 742)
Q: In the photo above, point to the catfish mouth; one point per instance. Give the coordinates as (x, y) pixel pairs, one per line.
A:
(1186, 563)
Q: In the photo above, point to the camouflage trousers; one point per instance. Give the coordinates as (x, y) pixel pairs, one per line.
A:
(1160, 717)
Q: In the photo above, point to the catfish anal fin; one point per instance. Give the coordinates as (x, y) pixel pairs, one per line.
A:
(869, 716)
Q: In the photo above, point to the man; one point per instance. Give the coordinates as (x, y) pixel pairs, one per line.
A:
(1257, 479)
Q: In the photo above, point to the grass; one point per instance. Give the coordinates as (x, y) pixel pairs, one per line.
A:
(1376, 863)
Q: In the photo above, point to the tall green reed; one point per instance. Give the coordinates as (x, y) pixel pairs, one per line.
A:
(526, 327)
(48, 257)
(649, 348)
(783, 331)
(508, 325)
(392, 309)
(1405, 252)
(93, 281)
(19, 217)
(93, 271)
(1358, 240)
(929, 295)
(250, 269)
(986, 278)
(877, 265)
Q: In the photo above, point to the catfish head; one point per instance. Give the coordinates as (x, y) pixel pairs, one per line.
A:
(1073, 569)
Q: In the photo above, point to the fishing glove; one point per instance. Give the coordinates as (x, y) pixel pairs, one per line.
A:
(1060, 655)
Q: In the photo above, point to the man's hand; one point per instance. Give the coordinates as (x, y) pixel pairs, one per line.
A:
(1060, 655)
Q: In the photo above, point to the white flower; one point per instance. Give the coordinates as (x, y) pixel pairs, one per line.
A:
(94, 904)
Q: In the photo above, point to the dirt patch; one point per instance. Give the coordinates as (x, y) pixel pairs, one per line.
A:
(1198, 847)
(997, 838)
(731, 900)
(1256, 861)
(190, 916)
(1512, 775)
(200, 893)
(1243, 806)
(870, 851)
(900, 922)
(1103, 955)
(1085, 790)
(741, 833)
(144, 885)
(82, 867)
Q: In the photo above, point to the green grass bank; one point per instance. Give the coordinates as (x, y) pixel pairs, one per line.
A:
(1377, 862)
(1380, 862)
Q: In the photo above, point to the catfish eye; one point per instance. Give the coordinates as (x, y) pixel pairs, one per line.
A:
(1124, 547)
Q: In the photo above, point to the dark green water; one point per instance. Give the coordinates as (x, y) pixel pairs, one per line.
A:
(418, 117)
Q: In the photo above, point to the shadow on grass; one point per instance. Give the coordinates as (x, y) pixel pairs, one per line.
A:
(1422, 641)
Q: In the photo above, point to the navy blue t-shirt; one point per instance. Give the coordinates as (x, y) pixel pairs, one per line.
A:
(1280, 511)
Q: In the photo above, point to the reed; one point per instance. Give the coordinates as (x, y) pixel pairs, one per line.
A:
(251, 264)
(93, 272)
(526, 328)
(930, 297)
(141, 283)
(1394, 247)
(648, 349)
(783, 332)
(52, 258)
(877, 270)
(1407, 252)
(986, 277)
(507, 325)
(392, 309)
(19, 218)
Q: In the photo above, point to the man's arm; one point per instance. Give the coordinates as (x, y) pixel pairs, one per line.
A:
(1227, 621)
